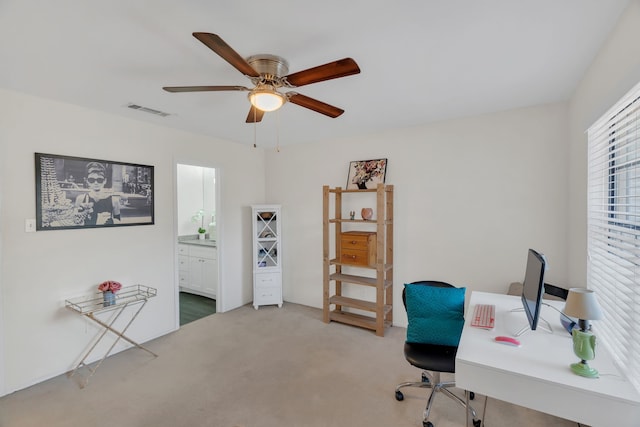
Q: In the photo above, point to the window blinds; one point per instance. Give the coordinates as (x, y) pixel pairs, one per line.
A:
(613, 228)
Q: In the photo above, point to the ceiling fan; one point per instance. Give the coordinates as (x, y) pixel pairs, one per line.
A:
(268, 73)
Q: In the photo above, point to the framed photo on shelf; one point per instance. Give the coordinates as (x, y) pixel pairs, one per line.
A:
(76, 192)
(366, 174)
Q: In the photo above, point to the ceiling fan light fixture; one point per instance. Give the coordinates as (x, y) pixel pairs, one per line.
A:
(266, 99)
(268, 73)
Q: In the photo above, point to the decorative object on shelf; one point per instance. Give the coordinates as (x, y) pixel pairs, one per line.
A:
(363, 172)
(366, 213)
(266, 215)
(583, 305)
(109, 289)
(352, 215)
(109, 298)
(75, 192)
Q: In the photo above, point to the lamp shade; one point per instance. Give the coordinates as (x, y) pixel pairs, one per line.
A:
(582, 304)
(266, 99)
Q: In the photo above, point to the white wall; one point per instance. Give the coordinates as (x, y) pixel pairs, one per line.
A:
(471, 196)
(40, 270)
(615, 70)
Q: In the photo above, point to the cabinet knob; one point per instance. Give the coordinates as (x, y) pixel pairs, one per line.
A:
(353, 242)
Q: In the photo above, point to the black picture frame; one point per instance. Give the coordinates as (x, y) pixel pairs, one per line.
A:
(366, 174)
(78, 192)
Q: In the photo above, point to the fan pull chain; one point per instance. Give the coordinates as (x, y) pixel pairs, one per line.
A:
(255, 126)
(278, 131)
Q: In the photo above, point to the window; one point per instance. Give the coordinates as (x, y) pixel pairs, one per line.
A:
(613, 227)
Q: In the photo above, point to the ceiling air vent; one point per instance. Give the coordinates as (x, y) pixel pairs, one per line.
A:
(148, 110)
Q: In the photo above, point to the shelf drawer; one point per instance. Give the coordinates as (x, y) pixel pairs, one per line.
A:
(184, 278)
(183, 263)
(268, 280)
(268, 295)
(361, 240)
(358, 248)
(354, 257)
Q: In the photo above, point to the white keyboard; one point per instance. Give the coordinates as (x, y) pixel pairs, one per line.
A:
(484, 316)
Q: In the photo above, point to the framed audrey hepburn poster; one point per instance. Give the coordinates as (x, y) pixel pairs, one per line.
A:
(75, 192)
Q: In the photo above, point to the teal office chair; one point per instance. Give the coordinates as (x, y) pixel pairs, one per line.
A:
(436, 315)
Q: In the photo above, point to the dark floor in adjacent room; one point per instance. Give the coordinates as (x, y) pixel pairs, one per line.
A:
(194, 307)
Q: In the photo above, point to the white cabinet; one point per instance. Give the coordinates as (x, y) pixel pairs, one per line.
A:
(198, 269)
(267, 255)
(267, 289)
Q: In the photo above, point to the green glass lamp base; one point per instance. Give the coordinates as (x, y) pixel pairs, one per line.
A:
(584, 370)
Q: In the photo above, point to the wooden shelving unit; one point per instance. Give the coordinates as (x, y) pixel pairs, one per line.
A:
(344, 306)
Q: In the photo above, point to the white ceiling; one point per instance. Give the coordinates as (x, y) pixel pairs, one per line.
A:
(421, 60)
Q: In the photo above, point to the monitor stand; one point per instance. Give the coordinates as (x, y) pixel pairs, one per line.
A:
(546, 327)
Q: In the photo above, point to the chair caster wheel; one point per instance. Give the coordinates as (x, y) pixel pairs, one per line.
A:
(399, 396)
(427, 424)
(472, 395)
(477, 423)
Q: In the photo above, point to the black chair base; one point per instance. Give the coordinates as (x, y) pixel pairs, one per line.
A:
(432, 380)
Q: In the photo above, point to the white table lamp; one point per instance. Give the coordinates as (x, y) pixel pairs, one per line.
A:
(583, 305)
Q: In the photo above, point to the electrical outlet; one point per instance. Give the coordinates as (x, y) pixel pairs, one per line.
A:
(29, 225)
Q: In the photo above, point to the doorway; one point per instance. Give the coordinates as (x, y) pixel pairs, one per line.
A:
(197, 242)
(194, 307)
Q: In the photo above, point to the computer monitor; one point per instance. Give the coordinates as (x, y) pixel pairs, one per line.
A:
(533, 287)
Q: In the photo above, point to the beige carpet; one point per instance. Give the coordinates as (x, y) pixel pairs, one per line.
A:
(246, 368)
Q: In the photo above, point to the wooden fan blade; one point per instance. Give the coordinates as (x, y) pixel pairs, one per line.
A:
(255, 115)
(202, 88)
(314, 104)
(216, 44)
(333, 70)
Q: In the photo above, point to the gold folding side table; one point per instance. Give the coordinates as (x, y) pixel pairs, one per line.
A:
(92, 305)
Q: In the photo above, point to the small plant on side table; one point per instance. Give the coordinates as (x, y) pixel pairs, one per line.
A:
(109, 289)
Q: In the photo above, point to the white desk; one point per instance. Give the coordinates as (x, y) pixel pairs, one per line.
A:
(536, 375)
